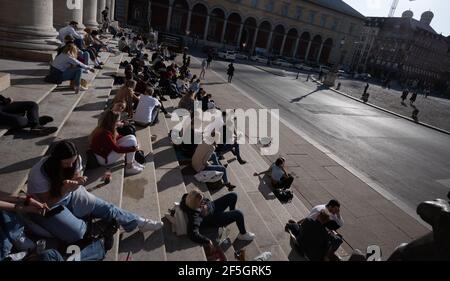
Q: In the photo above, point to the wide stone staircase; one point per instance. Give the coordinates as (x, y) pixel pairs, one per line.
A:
(163, 182)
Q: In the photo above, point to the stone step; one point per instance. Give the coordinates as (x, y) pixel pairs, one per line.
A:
(32, 87)
(253, 219)
(170, 189)
(140, 195)
(80, 124)
(5, 81)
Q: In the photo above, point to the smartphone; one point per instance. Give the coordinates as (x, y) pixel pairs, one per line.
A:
(54, 211)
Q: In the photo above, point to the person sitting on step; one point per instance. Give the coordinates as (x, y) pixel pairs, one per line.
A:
(123, 127)
(204, 153)
(57, 181)
(202, 212)
(66, 67)
(126, 93)
(229, 140)
(314, 239)
(147, 109)
(24, 114)
(281, 179)
(109, 147)
(334, 209)
(71, 29)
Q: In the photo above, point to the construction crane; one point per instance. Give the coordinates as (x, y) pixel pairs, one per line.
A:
(394, 7)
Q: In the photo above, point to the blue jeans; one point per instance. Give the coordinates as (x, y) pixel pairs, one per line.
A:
(73, 74)
(85, 55)
(217, 167)
(11, 228)
(219, 217)
(69, 228)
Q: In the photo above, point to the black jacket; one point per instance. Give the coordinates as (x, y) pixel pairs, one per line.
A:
(194, 222)
(3, 100)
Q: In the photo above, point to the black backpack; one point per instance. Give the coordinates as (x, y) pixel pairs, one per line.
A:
(91, 160)
(284, 195)
(139, 156)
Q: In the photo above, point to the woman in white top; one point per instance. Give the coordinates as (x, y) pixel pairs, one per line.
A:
(57, 181)
(68, 68)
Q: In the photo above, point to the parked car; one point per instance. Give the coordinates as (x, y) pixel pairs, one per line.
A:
(227, 55)
(282, 62)
(363, 76)
(241, 56)
(302, 66)
(259, 59)
(324, 69)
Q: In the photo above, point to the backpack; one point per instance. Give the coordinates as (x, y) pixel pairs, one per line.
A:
(178, 218)
(284, 195)
(139, 156)
(91, 160)
(208, 176)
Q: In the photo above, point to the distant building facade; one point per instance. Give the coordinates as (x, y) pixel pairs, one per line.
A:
(320, 31)
(409, 50)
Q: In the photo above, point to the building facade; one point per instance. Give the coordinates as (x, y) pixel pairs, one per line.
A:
(407, 49)
(320, 31)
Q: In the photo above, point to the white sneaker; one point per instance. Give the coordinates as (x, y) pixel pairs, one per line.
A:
(133, 170)
(264, 256)
(247, 236)
(139, 165)
(150, 225)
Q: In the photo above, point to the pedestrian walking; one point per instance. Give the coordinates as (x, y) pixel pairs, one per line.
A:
(427, 92)
(307, 77)
(415, 114)
(203, 72)
(320, 75)
(405, 95)
(413, 98)
(366, 88)
(209, 60)
(230, 72)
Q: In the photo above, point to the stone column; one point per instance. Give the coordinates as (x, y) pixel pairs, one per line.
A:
(108, 4)
(205, 34)
(240, 35)
(64, 13)
(296, 47)
(320, 52)
(26, 29)
(101, 4)
(307, 50)
(90, 13)
(282, 44)
(224, 28)
(269, 42)
(169, 18)
(112, 10)
(254, 39)
(188, 24)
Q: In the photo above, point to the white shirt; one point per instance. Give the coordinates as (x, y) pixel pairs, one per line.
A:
(68, 30)
(144, 110)
(277, 173)
(38, 182)
(63, 61)
(314, 213)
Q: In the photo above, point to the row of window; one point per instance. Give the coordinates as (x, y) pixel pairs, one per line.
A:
(311, 16)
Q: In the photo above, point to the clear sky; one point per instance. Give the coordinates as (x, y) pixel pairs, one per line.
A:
(380, 8)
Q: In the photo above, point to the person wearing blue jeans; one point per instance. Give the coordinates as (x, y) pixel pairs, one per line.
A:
(11, 229)
(66, 67)
(57, 181)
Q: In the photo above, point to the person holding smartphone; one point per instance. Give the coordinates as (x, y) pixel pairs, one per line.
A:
(57, 181)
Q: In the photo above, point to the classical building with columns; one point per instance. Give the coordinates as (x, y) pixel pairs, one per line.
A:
(321, 31)
(28, 27)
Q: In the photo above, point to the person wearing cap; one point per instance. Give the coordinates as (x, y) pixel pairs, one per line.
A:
(71, 29)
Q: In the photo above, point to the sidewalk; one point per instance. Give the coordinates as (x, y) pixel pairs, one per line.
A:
(370, 219)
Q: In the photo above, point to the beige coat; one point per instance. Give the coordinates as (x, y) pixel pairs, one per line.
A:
(201, 156)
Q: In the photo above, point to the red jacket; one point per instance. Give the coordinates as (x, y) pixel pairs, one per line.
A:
(103, 144)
